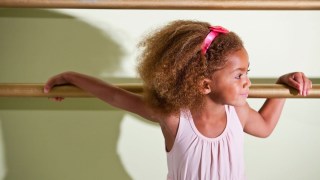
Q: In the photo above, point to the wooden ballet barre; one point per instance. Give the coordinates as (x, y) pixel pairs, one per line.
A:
(36, 90)
(167, 4)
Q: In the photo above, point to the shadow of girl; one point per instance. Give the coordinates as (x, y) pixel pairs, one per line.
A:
(66, 140)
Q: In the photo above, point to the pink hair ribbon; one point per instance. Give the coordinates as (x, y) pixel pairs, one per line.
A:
(214, 32)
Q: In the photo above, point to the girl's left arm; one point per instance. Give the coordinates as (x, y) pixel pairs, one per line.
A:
(263, 122)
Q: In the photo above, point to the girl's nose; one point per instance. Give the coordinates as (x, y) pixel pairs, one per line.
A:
(247, 82)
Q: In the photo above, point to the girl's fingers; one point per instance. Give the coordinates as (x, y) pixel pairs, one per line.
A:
(53, 81)
(299, 81)
(308, 85)
(303, 82)
(48, 86)
(46, 89)
(305, 85)
(295, 81)
(57, 99)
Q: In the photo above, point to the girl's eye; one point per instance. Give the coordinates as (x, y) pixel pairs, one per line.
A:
(239, 76)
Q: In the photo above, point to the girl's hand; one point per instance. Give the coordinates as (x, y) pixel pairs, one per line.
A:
(54, 81)
(298, 81)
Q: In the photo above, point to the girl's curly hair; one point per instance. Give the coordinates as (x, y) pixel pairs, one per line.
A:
(171, 64)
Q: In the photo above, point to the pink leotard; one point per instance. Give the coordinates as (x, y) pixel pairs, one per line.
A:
(195, 156)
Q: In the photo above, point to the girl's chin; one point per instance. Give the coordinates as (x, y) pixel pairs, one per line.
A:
(239, 103)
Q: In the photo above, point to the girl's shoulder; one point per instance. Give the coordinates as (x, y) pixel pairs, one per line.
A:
(170, 119)
(169, 126)
(243, 112)
(169, 122)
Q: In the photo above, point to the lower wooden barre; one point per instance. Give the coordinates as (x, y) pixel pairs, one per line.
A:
(36, 90)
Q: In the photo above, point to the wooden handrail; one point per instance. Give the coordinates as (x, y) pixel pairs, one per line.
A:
(36, 90)
(167, 4)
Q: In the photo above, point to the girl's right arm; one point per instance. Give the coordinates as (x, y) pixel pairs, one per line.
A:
(114, 96)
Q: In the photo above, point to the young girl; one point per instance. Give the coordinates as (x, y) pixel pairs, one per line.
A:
(196, 86)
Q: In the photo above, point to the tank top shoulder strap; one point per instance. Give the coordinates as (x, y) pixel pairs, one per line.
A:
(184, 123)
(184, 129)
(233, 117)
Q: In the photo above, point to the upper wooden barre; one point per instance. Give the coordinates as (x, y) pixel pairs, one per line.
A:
(36, 90)
(167, 4)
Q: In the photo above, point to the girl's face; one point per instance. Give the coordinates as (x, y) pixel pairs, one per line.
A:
(230, 85)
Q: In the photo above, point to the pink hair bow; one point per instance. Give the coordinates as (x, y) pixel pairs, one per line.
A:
(214, 32)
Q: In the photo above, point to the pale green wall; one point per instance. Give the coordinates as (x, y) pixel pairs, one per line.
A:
(84, 139)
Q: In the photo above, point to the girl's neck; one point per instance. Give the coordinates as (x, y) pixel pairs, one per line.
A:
(209, 111)
(211, 120)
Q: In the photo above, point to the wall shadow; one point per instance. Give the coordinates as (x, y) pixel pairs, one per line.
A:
(36, 43)
(75, 139)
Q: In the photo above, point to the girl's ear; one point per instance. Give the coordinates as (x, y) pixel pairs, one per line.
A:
(204, 86)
